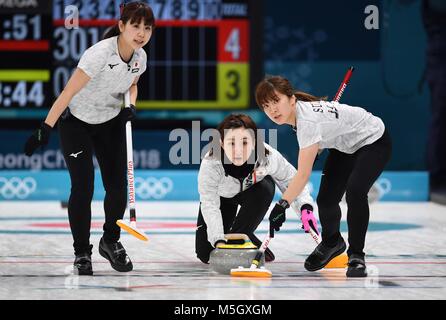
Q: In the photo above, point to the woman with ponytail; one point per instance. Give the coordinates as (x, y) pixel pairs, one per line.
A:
(91, 120)
(360, 147)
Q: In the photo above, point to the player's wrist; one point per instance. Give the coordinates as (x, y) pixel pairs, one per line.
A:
(45, 126)
(307, 207)
(283, 203)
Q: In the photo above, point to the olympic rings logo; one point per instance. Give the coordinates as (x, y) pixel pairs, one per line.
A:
(152, 187)
(17, 187)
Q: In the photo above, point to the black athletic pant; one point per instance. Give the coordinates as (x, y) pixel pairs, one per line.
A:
(353, 174)
(254, 204)
(78, 142)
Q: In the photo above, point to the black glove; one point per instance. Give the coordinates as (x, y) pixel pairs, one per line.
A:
(277, 216)
(128, 114)
(39, 138)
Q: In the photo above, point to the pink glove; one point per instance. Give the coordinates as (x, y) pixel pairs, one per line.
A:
(309, 221)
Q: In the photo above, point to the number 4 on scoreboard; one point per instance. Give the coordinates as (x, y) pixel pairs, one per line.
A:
(233, 41)
(232, 45)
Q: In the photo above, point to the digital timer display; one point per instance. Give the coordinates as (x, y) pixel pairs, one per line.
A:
(25, 61)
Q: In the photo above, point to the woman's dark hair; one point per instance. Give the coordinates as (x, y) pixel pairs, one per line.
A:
(267, 88)
(134, 12)
(235, 121)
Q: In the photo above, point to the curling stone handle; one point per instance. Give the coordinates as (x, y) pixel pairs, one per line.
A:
(237, 236)
(220, 245)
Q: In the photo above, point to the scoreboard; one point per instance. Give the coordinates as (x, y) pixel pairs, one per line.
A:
(203, 55)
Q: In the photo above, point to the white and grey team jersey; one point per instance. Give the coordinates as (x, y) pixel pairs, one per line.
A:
(213, 183)
(110, 77)
(336, 126)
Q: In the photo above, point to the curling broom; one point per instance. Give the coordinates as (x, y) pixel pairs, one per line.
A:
(254, 271)
(130, 226)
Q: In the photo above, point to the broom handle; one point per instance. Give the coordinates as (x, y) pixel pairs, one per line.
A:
(315, 236)
(340, 91)
(130, 167)
(256, 261)
(265, 243)
(343, 85)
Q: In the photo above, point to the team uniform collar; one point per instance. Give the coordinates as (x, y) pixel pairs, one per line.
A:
(132, 58)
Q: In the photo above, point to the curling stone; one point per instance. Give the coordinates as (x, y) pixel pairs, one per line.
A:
(238, 251)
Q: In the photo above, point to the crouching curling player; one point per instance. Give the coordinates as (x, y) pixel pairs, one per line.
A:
(242, 174)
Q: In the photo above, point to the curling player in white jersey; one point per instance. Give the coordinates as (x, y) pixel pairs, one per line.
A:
(94, 122)
(242, 170)
(359, 148)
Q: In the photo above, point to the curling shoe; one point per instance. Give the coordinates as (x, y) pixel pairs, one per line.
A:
(356, 266)
(116, 255)
(322, 255)
(82, 265)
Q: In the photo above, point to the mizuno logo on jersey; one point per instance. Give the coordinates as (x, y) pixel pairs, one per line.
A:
(112, 65)
(74, 155)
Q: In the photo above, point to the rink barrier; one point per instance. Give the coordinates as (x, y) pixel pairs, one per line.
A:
(181, 185)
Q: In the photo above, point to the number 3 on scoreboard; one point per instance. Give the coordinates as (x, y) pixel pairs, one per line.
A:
(233, 84)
